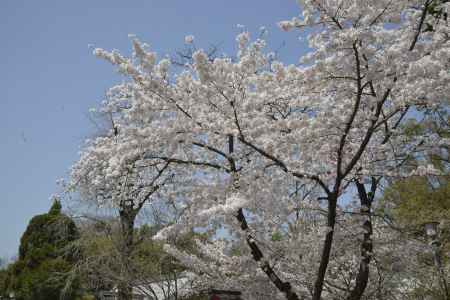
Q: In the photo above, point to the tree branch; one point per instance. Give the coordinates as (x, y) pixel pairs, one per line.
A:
(283, 286)
(419, 28)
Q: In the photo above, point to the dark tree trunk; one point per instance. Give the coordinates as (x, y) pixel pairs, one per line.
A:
(326, 250)
(127, 219)
(362, 277)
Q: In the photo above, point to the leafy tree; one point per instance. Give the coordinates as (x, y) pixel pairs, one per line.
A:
(97, 264)
(3, 283)
(415, 202)
(410, 203)
(40, 271)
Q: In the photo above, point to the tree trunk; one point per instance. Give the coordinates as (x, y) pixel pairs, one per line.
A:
(326, 250)
(127, 219)
(362, 277)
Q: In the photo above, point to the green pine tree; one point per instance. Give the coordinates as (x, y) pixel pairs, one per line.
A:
(40, 272)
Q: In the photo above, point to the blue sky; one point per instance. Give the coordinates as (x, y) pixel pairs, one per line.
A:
(49, 78)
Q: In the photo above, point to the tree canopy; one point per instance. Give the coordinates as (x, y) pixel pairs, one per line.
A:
(40, 271)
(289, 160)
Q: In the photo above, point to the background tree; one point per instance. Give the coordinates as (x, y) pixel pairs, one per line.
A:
(152, 271)
(3, 282)
(41, 269)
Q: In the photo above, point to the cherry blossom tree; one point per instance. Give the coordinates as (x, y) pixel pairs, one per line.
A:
(272, 153)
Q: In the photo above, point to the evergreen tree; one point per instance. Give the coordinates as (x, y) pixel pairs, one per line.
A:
(40, 271)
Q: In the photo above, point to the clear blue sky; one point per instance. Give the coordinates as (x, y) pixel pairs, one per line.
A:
(49, 78)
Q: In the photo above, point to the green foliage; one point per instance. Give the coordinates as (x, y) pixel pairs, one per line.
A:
(417, 202)
(100, 264)
(436, 10)
(150, 258)
(56, 208)
(3, 283)
(277, 236)
(43, 281)
(46, 235)
(40, 273)
(86, 297)
(197, 297)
